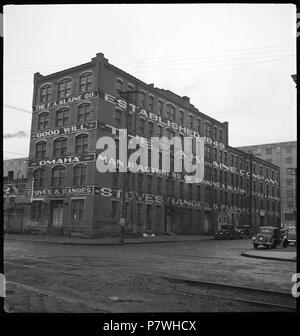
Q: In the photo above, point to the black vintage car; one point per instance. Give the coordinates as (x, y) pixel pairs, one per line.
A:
(245, 231)
(227, 232)
(268, 236)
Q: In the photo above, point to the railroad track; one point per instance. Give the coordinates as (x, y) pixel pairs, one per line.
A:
(248, 295)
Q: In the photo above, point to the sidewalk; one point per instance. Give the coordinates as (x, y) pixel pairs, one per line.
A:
(288, 254)
(43, 239)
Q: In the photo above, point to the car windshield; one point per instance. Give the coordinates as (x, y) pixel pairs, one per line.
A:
(265, 230)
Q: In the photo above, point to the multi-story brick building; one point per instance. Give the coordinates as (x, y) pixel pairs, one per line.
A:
(75, 107)
(284, 155)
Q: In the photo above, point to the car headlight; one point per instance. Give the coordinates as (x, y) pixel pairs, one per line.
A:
(253, 238)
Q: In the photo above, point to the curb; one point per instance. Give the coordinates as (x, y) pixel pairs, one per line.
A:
(267, 258)
(109, 244)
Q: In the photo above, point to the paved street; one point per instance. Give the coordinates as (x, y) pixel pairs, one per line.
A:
(132, 278)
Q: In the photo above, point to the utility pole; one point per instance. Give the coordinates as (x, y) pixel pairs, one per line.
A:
(126, 96)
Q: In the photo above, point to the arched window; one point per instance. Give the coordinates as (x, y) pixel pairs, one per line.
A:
(62, 117)
(79, 175)
(84, 113)
(40, 150)
(119, 86)
(170, 112)
(64, 88)
(58, 176)
(43, 120)
(81, 144)
(39, 177)
(45, 93)
(85, 82)
(60, 147)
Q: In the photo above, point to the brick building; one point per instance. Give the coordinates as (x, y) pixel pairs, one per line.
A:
(284, 155)
(75, 107)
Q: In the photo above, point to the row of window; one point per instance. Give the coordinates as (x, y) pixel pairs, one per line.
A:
(217, 134)
(170, 185)
(77, 210)
(58, 176)
(62, 116)
(64, 88)
(60, 146)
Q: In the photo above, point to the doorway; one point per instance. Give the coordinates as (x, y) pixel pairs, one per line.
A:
(57, 209)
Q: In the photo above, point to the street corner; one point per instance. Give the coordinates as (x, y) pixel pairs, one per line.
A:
(281, 254)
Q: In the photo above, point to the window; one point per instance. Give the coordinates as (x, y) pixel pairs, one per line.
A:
(43, 120)
(232, 160)
(290, 204)
(62, 117)
(85, 82)
(170, 112)
(207, 130)
(36, 210)
(113, 209)
(149, 183)
(79, 176)
(77, 207)
(139, 212)
(151, 103)
(289, 182)
(142, 99)
(81, 144)
(60, 147)
(58, 176)
(199, 125)
(225, 157)
(215, 133)
(117, 117)
(84, 113)
(160, 107)
(290, 193)
(129, 121)
(289, 160)
(40, 150)
(64, 88)
(261, 188)
(181, 117)
(207, 151)
(46, 93)
(268, 151)
(220, 135)
(39, 177)
(158, 214)
(119, 86)
(150, 129)
(190, 190)
(181, 189)
(272, 174)
(158, 185)
(288, 149)
(215, 154)
(159, 131)
(191, 121)
(141, 126)
(198, 193)
(254, 166)
(171, 189)
(221, 177)
(225, 179)
(260, 170)
(215, 175)
(148, 217)
(267, 172)
(140, 182)
(115, 179)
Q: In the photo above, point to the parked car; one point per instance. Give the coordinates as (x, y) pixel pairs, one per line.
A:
(291, 235)
(268, 236)
(227, 232)
(244, 231)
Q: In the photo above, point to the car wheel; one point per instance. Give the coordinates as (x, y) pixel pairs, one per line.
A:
(255, 246)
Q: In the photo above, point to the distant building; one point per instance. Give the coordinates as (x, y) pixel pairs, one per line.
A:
(284, 155)
(14, 193)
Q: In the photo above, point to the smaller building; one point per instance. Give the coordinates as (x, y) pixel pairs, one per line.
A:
(15, 183)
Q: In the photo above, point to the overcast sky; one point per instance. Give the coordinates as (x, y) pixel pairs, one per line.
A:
(234, 61)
